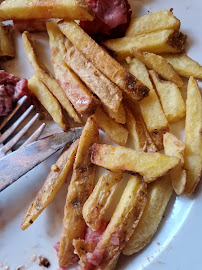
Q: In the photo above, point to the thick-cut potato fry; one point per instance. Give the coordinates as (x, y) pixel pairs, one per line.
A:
(80, 188)
(47, 99)
(152, 22)
(175, 147)
(193, 141)
(103, 61)
(122, 224)
(115, 131)
(170, 97)
(53, 183)
(163, 41)
(35, 9)
(7, 47)
(118, 158)
(109, 93)
(150, 106)
(160, 65)
(119, 116)
(159, 193)
(46, 78)
(82, 100)
(99, 200)
(184, 65)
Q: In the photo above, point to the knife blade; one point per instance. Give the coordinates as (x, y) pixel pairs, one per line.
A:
(19, 162)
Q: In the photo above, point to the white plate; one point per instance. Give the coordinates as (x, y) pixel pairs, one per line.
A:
(178, 242)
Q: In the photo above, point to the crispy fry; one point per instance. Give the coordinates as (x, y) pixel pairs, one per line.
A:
(115, 131)
(184, 65)
(34, 9)
(99, 200)
(118, 158)
(46, 78)
(193, 142)
(80, 188)
(160, 65)
(82, 100)
(119, 116)
(152, 22)
(122, 224)
(103, 61)
(159, 193)
(47, 99)
(163, 41)
(109, 93)
(52, 185)
(7, 47)
(175, 147)
(170, 97)
(150, 107)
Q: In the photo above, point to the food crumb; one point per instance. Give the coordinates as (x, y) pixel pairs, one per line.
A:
(33, 259)
(22, 267)
(148, 259)
(7, 267)
(158, 244)
(171, 10)
(44, 262)
(54, 168)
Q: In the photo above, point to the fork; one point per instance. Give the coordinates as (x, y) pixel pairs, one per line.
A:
(5, 148)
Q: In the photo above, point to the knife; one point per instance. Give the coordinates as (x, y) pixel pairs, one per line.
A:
(19, 162)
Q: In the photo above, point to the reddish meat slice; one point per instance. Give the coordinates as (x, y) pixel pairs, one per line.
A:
(38, 25)
(94, 236)
(96, 257)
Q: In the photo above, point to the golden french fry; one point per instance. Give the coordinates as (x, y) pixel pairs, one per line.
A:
(46, 78)
(193, 141)
(53, 183)
(119, 116)
(150, 106)
(115, 131)
(163, 41)
(80, 188)
(99, 200)
(109, 93)
(47, 99)
(81, 247)
(118, 158)
(170, 97)
(78, 94)
(7, 47)
(175, 147)
(159, 193)
(152, 22)
(103, 61)
(184, 65)
(122, 224)
(34, 9)
(160, 65)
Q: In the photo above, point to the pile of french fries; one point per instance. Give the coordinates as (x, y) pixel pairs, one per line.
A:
(132, 102)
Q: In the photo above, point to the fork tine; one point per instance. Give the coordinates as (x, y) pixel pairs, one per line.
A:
(9, 131)
(19, 135)
(35, 135)
(20, 102)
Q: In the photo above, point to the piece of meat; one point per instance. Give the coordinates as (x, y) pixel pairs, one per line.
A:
(94, 236)
(96, 257)
(38, 25)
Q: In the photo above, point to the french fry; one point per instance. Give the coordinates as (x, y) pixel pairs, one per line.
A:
(7, 47)
(170, 97)
(163, 41)
(184, 65)
(175, 147)
(47, 99)
(118, 158)
(103, 61)
(34, 9)
(152, 22)
(119, 116)
(150, 107)
(193, 142)
(53, 183)
(99, 200)
(81, 247)
(46, 78)
(109, 93)
(159, 193)
(122, 224)
(78, 94)
(115, 131)
(80, 188)
(160, 65)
